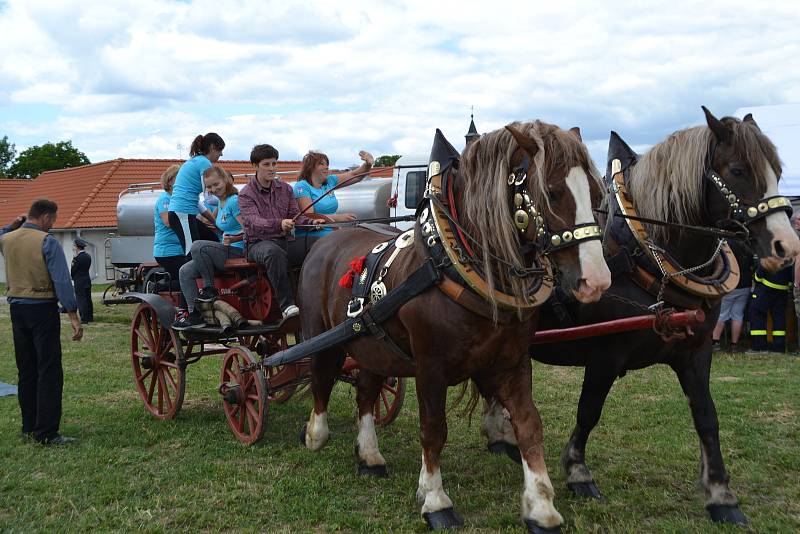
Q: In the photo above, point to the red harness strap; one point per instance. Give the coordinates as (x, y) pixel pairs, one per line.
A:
(454, 215)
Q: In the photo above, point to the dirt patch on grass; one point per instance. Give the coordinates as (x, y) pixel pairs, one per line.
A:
(728, 378)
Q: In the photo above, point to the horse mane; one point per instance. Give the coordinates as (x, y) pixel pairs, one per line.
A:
(485, 167)
(667, 184)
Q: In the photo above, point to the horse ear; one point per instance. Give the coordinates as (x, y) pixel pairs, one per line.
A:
(525, 143)
(749, 118)
(720, 131)
(576, 132)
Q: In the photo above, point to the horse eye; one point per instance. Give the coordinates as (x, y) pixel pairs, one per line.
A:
(553, 195)
(737, 171)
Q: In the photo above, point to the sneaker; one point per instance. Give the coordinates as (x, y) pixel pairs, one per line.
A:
(207, 294)
(57, 440)
(185, 320)
(735, 348)
(756, 351)
(716, 346)
(290, 311)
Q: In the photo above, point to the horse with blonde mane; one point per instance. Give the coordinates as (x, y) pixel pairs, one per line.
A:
(494, 225)
(723, 175)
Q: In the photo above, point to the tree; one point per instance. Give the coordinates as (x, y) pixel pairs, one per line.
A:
(33, 161)
(386, 161)
(7, 153)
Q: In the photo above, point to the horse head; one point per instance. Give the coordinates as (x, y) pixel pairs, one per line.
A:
(741, 185)
(551, 168)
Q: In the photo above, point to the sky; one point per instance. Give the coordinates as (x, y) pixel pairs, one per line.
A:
(140, 79)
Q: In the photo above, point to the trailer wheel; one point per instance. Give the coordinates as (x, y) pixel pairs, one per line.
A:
(244, 395)
(159, 370)
(390, 400)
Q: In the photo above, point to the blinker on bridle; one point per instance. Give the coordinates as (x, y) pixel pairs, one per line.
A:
(525, 213)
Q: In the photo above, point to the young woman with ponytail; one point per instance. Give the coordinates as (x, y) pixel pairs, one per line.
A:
(185, 205)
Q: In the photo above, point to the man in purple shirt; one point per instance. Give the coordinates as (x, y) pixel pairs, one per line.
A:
(269, 210)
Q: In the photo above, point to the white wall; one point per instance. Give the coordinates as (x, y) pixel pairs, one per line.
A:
(96, 249)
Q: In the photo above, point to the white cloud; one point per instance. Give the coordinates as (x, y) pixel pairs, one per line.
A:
(380, 75)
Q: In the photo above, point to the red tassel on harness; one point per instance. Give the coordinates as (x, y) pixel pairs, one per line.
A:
(356, 266)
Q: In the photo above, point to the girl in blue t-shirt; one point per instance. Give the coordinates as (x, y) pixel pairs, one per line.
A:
(167, 249)
(208, 257)
(184, 206)
(315, 181)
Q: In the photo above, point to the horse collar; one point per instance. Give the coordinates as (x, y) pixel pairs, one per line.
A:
(726, 267)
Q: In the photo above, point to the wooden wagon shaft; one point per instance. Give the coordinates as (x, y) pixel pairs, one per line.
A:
(627, 324)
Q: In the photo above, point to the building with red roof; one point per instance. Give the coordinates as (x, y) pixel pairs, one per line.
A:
(87, 198)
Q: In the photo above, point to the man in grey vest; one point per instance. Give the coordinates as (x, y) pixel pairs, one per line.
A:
(38, 278)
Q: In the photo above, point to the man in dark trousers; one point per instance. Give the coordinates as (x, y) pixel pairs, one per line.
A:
(82, 280)
(37, 279)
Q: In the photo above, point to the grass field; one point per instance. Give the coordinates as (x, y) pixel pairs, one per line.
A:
(131, 472)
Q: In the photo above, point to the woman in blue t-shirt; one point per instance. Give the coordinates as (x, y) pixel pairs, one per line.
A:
(315, 181)
(208, 257)
(184, 205)
(167, 249)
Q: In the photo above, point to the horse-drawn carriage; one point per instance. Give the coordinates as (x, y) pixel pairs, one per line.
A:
(160, 355)
(460, 296)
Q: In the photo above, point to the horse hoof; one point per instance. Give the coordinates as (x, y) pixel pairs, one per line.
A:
(726, 513)
(497, 447)
(585, 489)
(378, 471)
(303, 435)
(536, 528)
(442, 519)
(512, 451)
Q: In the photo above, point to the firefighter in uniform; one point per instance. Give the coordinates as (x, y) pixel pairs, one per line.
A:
(770, 292)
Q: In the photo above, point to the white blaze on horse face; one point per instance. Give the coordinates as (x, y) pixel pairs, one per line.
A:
(596, 277)
(430, 491)
(368, 442)
(317, 432)
(779, 226)
(537, 499)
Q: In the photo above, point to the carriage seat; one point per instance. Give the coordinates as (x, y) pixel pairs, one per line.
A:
(240, 263)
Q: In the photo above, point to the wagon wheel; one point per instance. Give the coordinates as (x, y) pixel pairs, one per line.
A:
(244, 396)
(111, 292)
(157, 360)
(280, 374)
(390, 400)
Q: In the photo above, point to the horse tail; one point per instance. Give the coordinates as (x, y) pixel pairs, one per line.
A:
(468, 394)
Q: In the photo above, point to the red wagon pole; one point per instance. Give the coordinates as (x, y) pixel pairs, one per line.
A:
(642, 322)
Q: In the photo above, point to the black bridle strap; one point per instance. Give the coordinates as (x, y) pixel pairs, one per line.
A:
(704, 230)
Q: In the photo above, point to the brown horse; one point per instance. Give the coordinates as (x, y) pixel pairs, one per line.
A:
(516, 188)
(722, 174)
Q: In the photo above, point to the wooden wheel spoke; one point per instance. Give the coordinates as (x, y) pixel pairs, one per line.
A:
(146, 341)
(141, 354)
(171, 378)
(165, 389)
(142, 378)
(254, 397)
(152, 387)
(252, 417)
(167, 363)
(240, 422)
(385, 401)
(160, 388)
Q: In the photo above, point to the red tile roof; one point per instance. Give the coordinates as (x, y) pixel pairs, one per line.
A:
(87, 196)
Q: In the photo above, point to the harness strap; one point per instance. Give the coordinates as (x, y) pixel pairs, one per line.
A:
(425, 276)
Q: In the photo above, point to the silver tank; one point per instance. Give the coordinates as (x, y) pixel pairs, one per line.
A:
(367, 199)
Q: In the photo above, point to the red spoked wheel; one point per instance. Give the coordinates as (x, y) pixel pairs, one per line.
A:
(244, 395)
(390, 401)
(157, 360)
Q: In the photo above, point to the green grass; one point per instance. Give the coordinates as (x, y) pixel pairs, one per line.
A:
(129, 471)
